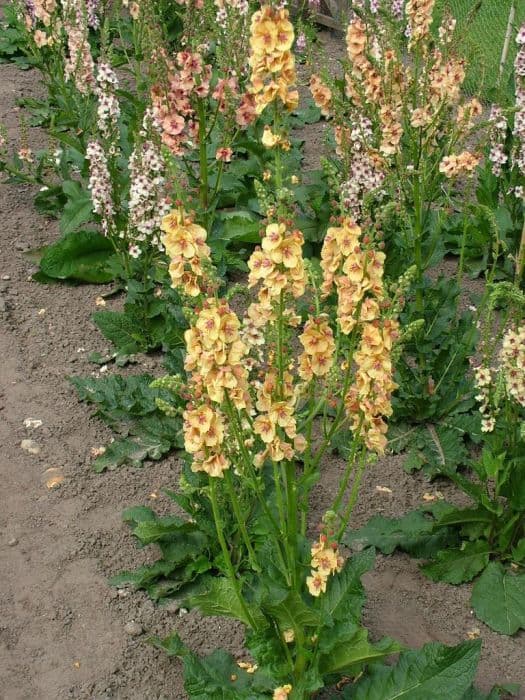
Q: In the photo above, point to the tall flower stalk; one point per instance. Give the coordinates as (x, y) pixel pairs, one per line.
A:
(264, 409)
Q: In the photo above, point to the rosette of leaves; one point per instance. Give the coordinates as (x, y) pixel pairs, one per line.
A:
(136, 411)
(485, 542)
(433, 420)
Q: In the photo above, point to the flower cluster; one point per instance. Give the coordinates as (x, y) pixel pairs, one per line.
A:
(275, 423)
(369, 398)
(100, 185)
(484, 382)
(512, 359)
(325, 562)
(204, 432)
(185, 244)
(317, 340)
(354, 271)
(277, 265)
(463, 164)
(271, 61)
(147, 204)
(497, 155)
(108, 108)
(419, 13)
(215, 359)
(173, 104)
(321, 93)
(79, 64)
(519, 116)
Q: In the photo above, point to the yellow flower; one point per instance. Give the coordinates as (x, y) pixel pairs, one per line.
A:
(269, 139)
(316, 583)
(282, 692)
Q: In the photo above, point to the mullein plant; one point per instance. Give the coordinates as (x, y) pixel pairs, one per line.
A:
(402, 160)
(506, 156)
(200, 101)
(268, 392)
(401, 123)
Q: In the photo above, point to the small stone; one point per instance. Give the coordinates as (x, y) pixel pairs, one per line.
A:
(133, 628)
(32, 423)
(6, 277)
(123, 593)
(30, 446)
(12, 542)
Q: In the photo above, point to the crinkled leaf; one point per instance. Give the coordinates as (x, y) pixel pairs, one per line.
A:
(389, 533)
(345, 596)
(460, 564)
(498, 599)
(434, 672)
(218, 677)
(83, 256)
(221, 599)
(77, 211)
(345, 648)
(121, 330)
(292, 612)
(414, 532)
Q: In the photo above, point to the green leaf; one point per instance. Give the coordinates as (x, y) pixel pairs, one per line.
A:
(434, 672)
(83, 256)
(345, 595)
(459, 564)
(221, 599)
(218, 677)
(119, 328)
(345, 648)
(498, 599)
(293, 612)
(77, 211)
(172, 645)
(389, 533)
(132, 451)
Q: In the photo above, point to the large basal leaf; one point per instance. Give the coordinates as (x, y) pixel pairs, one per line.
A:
(218, 677)
(498, 599)
(121, 330)
(118, 397)
(345, 648)
(414, 533)
(387, 534)
(133, 450)
(221, 599)
(457, 565)
(78, 210)
(434, 672)
(345, 596)
(83, 256)
(292, 612)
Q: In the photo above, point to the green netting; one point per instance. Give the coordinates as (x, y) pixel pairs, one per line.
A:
(481, 29)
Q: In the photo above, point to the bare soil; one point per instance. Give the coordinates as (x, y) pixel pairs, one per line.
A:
(62, 628)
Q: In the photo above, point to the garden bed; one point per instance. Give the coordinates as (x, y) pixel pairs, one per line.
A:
(64, 633)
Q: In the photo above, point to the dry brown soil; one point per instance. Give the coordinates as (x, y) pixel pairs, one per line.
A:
(62, 628)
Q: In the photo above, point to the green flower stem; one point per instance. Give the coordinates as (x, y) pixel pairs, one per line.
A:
(237, 431)
(291, 498)
(284, 529)
(353, 495)
(226, 554)
(418, 256)
(240, 519)
(349, 467)
(203, 160)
